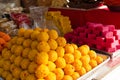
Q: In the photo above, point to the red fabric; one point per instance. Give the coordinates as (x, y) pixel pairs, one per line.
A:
(80, 17)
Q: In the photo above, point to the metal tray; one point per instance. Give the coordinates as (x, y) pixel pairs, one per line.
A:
(106, 58)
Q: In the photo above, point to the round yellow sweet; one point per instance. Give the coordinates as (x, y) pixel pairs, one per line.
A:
(60, 51)
(6, 54)
(61, 41)
(51, 66)
(4, 50)
(69, 58)
(69, 69)
(34, 35)
(59, 73)
(2, 62)
(21, 32)
(6, 65)
(18, 60)
(77, 54)
(92, 54)
(53, 34)
(53, 44)
(83, 49)
(27, 43)
(82, 71)
(5, 73)
(52, 55)
(43, 46)
(13, 40)
(1, 71)
(16, 72)
(12, 58)
(60, 62)
(27, 33)
(87, 67)
(24, 74)
(34, 44)
(87, 46)
(99, 59)
(24, 63)
(69, 48)
(20, 40)
(93, 63)
(9, 77)
(32, 54)
(18, 50)
(37, 29)
(31, 77)
(12, 67)
(43, 36)
(75, 75)
(42, 71)
(42, 58)
(85, 59)
(9, 45)
(51, 76)
(25, 52)
(77, 64)
(74, 46)
(13, 48)
(67, 77)
(32, 67)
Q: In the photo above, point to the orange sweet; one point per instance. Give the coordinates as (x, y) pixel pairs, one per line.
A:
(93, 63)
(59, 73)
(99, 59)
(60, 62)
(75, 75)
(69, 69)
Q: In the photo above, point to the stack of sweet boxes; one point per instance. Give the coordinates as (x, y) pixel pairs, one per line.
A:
(102, 37)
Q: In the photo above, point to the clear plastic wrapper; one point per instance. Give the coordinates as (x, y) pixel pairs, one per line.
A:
(38, 16)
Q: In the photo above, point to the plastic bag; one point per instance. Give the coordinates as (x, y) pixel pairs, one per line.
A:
(38, 16)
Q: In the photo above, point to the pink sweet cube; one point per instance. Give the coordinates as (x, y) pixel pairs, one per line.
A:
(107, 34)
(110, 40)
(101, 28)
(111, 27)
(100, 39)
(117, 37)
(118, 46)
(110, 45)
(116, 32)
(111, 50)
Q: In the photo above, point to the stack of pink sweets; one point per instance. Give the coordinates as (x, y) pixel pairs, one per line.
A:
(96, 35)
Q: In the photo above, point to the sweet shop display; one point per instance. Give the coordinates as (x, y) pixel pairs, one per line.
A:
(37, 43)
(41, 54)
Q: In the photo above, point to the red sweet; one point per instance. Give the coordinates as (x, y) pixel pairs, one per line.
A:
(118, 46)
(117, 37)
(111, 39)
(91, 36)
(111, 50)
(116, 32)
(111, 27)
(107, 34)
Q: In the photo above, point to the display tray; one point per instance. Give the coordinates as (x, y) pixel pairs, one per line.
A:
(106, 58)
